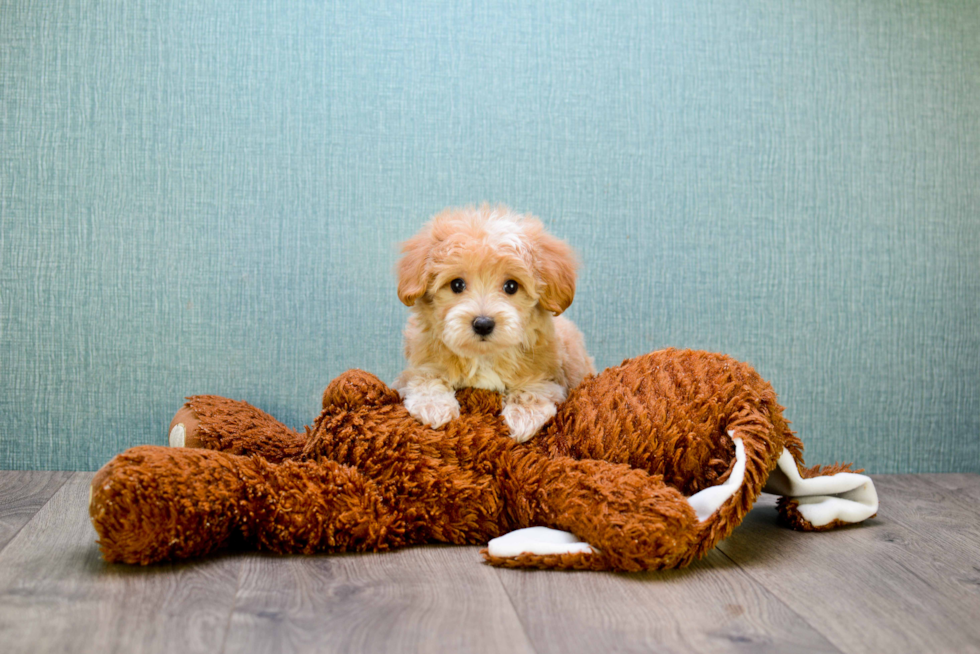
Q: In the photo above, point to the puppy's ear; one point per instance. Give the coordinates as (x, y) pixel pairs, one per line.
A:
(554, 264)
(413, 278)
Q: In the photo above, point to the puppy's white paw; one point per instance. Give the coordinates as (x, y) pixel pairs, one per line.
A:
(433, 409)
(525, 417)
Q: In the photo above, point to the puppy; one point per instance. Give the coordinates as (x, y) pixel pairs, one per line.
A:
(485, 287)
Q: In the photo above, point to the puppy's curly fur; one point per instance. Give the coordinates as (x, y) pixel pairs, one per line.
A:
(486, 287)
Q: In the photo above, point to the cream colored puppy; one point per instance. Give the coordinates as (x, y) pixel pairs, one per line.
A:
(485, 287)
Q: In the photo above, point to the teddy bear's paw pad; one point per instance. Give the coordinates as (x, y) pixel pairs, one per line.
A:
(178, 435)
(709, 500)
(537, 540)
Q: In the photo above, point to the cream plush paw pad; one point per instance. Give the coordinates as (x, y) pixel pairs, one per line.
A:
(537, 540)
(846, 496)
(178, 435)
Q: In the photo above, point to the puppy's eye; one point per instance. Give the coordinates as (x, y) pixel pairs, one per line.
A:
(510, 287)
(458, 285)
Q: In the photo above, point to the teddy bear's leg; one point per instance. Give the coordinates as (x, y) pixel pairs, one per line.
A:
(153, 504)
(821, 498)
(622, 518)
(217, 423)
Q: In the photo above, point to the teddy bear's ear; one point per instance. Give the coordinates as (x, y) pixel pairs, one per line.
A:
(413, 275)
(554, 265)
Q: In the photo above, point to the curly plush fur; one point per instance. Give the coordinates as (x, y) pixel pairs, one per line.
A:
(615, 467)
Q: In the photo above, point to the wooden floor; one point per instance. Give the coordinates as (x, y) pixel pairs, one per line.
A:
(907, 581)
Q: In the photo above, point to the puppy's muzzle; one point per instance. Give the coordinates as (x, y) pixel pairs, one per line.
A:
(483, 325)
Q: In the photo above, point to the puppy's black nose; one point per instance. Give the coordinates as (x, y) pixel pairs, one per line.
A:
(483, 325)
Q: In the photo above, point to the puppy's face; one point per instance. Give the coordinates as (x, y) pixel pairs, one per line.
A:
(482, 300)
(482, 278)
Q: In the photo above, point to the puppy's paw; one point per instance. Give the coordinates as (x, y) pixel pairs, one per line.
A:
(524, 416)
(432, 409)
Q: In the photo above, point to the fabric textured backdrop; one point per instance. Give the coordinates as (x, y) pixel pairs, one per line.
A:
(207, 197)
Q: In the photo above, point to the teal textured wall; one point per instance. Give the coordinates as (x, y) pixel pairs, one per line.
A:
(207, 197)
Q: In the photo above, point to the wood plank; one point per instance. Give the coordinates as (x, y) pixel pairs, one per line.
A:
(712, 606)
(964, 486)
(902, 582)
(423, 599)
(56, 593)
(22, 494)
(951, 523)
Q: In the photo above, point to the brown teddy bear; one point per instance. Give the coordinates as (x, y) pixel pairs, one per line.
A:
(646, 465)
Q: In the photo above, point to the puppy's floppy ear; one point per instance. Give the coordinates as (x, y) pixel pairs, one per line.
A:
(554, 265)
(413, 277)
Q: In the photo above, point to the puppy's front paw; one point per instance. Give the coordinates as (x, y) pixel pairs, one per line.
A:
(433, 409)
(524, 417)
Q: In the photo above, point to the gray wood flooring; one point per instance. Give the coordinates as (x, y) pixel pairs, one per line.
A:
(907, 581)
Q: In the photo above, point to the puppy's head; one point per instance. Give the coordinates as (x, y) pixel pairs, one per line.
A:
(483, 278)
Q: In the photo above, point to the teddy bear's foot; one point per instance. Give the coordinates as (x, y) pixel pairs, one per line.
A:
(821, 498)
(825, 512)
